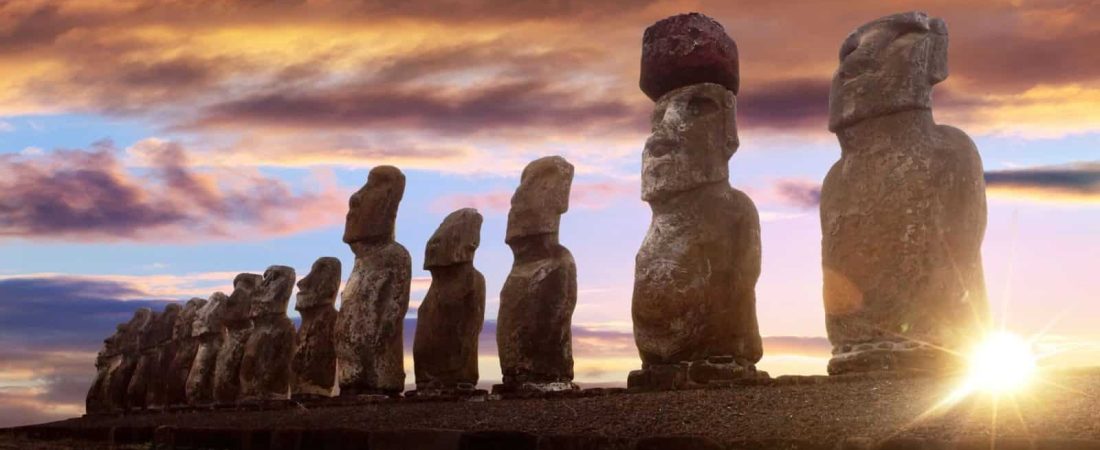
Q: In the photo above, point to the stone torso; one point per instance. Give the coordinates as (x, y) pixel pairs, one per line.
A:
(695, 278)
(370, 323)
(227, 385)
(447, 326)
(902, 218)
(265, 366)
(314, 365)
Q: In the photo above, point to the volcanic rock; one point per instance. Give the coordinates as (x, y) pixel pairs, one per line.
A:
(314, 363)
(903, 212)
(450, 317)
(209, 329)
(163, 328)
(369, 326)
(265, 366)
(695, 274)
(120, 374)
(684, 50)
(97, 399)
(238, 327)
(534, 339)
(184, 347)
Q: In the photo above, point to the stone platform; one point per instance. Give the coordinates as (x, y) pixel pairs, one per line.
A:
(888, 411)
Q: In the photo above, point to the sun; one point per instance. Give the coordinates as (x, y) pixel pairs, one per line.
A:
(1002, 363)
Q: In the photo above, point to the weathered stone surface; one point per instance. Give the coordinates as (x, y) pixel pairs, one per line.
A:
(372, 211)
(97, 399)
(122, 369)
(369, 326)
(903, 212)
(695, 274)
(209, 329)
(265, 366)
(158, 331)
(314, 363)
(184, 347)
(238, 327)
(534, 339)
(684, 50)
(163, 328)
(450, 317)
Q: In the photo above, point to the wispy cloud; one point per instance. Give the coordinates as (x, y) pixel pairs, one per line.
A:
(1075, 182)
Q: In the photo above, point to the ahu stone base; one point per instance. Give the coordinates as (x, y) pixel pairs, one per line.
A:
(710, 372)
(892, 356)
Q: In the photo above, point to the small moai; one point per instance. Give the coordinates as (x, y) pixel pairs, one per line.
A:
(137, 392)
(157, 373)
(903, 211)
(184, 348)
(449, 319)
(97, 400)
(694, 300)
(314, 365)
(238, 327)
(534, 339)
(370, 323)
(209, 330)
(121, 374)
(265, 366)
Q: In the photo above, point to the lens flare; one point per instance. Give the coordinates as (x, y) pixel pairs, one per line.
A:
(1003, 362)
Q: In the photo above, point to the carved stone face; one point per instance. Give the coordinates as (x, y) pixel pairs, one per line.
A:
(456, 239)
(239, 305)
(273, 294)
(319, 287)
(694, 135)
(541, 198)
(187, 318)
(166, 320)
(887, 66)
(111, 344)
(372, 211)
(209, 318)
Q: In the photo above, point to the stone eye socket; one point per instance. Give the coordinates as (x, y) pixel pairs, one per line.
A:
(702, 106)
(850, 45)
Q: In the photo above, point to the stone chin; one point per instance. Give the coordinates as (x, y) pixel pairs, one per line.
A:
(887, 66)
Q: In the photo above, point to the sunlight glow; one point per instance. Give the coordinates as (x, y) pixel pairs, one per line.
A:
(1002, 363)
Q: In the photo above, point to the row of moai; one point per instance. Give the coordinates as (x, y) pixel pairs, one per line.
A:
(902, 220)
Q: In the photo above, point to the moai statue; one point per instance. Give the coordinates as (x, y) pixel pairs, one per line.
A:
(184, 347)
(110, 356)
(209, 330)
(130, 348)
(694, 302)
(238, 327)
(137, 392)
(265, 367)
(534, 339)
(157, 372)
(314, 364)
(903, 212)
(449, 319)
(370, 324)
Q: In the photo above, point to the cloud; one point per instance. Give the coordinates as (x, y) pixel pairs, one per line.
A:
(785, 104)
(88, 194)
(802, 194)
(584, 195)
(1075, 182)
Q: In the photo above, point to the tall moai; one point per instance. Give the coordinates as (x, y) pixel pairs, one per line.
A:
(184, 347)
(111, 355)
(903, 212)
(156, 374)
(449, 319)
(137, 393)
(370, 323)
(265, 366)
(238, 327)
(694, 301)
(534, 339)
(209, 330)
(314, 364)
(121, 374)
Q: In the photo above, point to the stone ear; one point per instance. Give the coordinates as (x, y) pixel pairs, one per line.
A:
(937, 51)
(732, 141)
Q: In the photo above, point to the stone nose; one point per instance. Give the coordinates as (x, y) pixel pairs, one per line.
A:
(658, 145)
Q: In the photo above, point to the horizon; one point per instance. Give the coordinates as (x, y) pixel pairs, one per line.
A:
(150, 152)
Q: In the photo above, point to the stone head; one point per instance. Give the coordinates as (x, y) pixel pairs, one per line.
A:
(886, 66)
(455, 241)
(273, 294)
(187, 318)
(694, 136)
(541, 198)
(166, 320)
(111, 344)
(319, 287)
(239, 305)
(138, 328)
(372, 211)
(210, 318)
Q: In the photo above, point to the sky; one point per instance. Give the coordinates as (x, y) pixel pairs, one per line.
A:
(151, 150)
